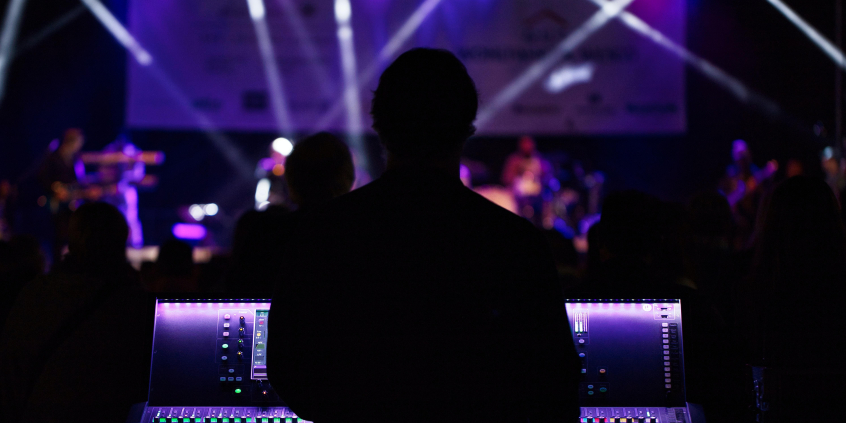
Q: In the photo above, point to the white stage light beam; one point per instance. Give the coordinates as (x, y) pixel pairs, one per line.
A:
(537, 70)
(119, 31)
(230, 151)
(394, 44)
(221, 141)
(732, 84)
(50, 29)
(271, 69)
(352, 101)
(14, 12)
(307, 46)
(824, 44)
(343, 15)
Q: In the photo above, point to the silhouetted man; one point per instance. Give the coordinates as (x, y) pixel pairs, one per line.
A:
(413, 298)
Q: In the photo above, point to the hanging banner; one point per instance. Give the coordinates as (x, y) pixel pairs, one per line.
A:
(209, 70)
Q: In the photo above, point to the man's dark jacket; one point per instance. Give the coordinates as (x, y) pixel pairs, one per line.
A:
(415, 299)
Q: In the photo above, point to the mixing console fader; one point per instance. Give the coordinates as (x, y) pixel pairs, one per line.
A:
(209, 364)
(632, 360)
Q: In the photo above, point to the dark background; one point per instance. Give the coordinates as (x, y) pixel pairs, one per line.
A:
(76, 77)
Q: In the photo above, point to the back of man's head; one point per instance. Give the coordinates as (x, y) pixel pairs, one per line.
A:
(319, 169)
(97, 237)
(425, 105)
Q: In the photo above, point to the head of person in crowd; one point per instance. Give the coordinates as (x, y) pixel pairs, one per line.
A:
(424, 108)
(256, 250)
(97, 237)
(175, 259)
(319, 169)
(802, 237)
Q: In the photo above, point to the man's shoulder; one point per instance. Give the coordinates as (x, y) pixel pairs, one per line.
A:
(379, 194)
(489, 210)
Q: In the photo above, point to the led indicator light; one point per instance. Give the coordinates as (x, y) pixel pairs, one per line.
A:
(238, 390)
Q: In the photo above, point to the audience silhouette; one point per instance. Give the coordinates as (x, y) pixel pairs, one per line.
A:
(637, 251)
(174, 268)
(790, 299)
(21, 260)
(413, 298)
(318, 169)
(79, 338)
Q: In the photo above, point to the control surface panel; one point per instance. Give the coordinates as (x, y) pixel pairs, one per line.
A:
(211, 353)
(632, 359)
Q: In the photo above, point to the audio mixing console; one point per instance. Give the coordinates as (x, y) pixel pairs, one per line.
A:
(632, 360)
(209, 364)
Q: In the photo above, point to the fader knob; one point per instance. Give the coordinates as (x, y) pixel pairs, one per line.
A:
(240, 344)
(241, 332)
(240, 355)
(242, 320)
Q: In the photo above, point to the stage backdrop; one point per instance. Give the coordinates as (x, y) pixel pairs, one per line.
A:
(207, 69)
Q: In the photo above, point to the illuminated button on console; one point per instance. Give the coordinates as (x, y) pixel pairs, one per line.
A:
(225, 346)
(241, 332)
(243, 321)
(226, 317)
